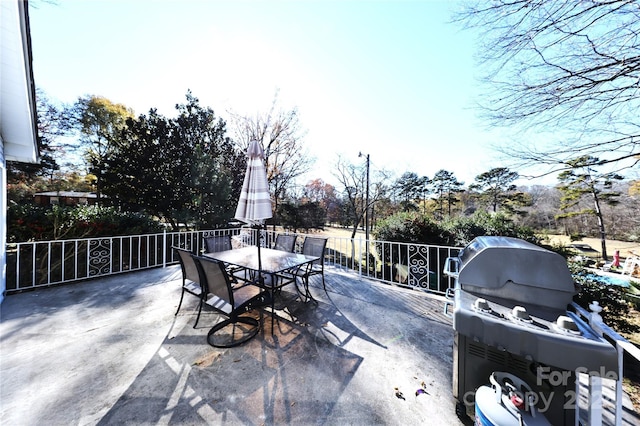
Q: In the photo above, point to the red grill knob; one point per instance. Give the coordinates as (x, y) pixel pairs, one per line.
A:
(517, 401)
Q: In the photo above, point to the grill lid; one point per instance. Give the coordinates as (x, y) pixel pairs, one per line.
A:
(515, 269)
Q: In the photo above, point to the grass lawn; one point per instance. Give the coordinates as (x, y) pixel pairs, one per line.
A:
(626, 248)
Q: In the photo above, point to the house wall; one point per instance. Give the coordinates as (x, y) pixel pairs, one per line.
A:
(18, 137)
(3, 221)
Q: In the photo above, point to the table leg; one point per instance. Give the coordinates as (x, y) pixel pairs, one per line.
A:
(273, 301)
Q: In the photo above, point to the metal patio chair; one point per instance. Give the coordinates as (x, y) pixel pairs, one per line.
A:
(231, 303)
(312, 246)
(285, 242)
(190, 280)
(217, 243)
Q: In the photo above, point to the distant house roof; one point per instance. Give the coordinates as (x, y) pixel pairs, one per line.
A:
(17, 88)
(72, 194)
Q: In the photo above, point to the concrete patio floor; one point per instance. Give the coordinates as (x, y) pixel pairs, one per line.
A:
(111, 351)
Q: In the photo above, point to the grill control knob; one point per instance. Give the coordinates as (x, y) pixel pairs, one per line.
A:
(566, 323)
(519, 312)
(481, 305)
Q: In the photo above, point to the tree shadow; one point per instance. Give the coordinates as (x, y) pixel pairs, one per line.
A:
(294, 376)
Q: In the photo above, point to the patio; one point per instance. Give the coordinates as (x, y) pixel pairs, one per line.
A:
(111, 351)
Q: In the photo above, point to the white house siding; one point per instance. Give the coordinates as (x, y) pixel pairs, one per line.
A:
(17, 104)
(3, 226)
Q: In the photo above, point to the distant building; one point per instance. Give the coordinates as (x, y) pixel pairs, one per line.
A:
(65, 198)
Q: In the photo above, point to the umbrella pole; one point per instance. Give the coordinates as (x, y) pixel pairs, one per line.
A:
(261, 279)
(258, 228)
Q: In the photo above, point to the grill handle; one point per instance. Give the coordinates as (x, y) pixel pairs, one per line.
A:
(452, 267)
(449, 294)
(446, 311)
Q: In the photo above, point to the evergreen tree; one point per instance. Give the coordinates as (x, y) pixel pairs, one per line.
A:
(582, 180)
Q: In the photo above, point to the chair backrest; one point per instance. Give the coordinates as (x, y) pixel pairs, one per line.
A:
(314, 246)
(189, 268)
(217, 243)
(215, 281)
(285, 242)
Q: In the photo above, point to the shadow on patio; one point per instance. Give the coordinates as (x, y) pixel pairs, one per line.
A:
(111, 351)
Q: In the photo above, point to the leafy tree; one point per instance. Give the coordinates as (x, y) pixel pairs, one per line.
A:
(446, 187)
(583, 180)
(497, 191)
(563, 67)
(304, 216)
(411, 188)
(183, 170)
(217, 167)
(52, 123)
(101, 123)
(321, 192)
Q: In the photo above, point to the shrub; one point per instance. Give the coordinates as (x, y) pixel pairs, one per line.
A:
(27, 222)
(465, 229)
(616, 311)
(37, 223)
(412, 227)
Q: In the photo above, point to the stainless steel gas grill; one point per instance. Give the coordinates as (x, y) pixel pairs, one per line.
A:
(510, 314)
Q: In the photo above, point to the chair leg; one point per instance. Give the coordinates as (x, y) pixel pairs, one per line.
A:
(180, 303)
(199, 310)
(305, 293)
(306, 288)
(253, 323)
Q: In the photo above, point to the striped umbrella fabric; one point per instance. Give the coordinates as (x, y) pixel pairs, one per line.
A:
(254, 205)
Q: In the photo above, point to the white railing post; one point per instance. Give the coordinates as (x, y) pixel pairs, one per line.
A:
(595, 320)
(595, 400)
(577, 400)
(359, 257)
(619, 382)
(595, 382)
(164, 248)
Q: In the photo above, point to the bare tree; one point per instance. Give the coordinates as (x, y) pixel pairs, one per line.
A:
(281, 136)
(353, 178)
(569, 68)
(545, 203)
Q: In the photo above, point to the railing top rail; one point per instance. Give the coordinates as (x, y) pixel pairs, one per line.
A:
(629, 347)
(123, 236)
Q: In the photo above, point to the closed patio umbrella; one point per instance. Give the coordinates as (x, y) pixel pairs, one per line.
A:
(254, 205)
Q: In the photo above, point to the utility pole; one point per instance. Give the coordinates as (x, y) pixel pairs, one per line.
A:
(366, 213)
(366, 205)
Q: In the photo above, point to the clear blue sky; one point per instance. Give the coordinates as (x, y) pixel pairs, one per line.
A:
(389, 78)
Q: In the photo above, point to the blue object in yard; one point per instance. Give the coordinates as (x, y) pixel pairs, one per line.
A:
(608, 280)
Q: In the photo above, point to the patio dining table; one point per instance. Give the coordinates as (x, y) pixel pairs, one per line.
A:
(273, 263)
